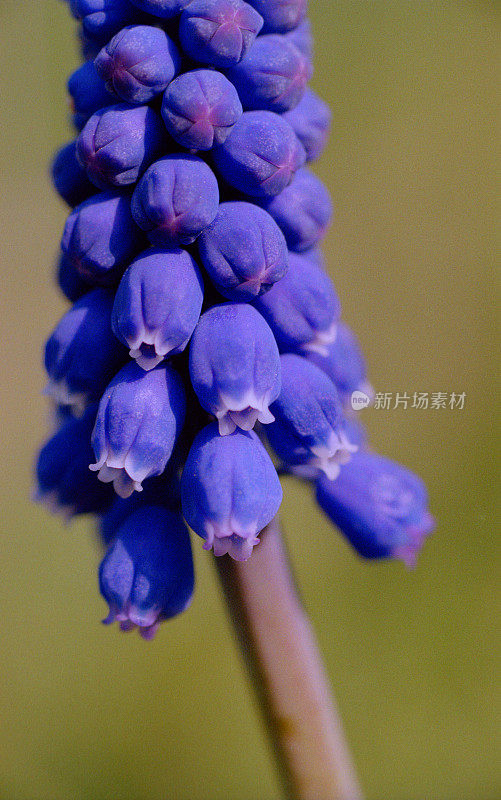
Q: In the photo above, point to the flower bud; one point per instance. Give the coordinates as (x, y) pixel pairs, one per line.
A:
(147, 574)
(260, 155)
(100, 237)
(88, 94)
(200, 108)
(302, 220)
(102, 18)
(71, 283)
(310, 121)
(243, 250)
(65, 484)
(118, 143)
(235, 366)
(69, 177)
(302, 38)
(175, 200)
(82, 354)
(381, 507)
(230, 491)
(302, 309)
(139, 419)
(273, 75)
(308, 429)
(138, 63)
(280, 16)
(218, 32)
(157, 305)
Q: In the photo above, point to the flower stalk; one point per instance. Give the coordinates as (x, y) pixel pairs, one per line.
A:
(282, 656)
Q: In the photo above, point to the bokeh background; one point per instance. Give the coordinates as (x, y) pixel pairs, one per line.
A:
(87, 714)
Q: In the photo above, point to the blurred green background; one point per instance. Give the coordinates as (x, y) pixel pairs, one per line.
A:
(87, 714)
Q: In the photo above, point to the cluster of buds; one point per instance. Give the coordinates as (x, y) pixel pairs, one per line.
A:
(204, 333)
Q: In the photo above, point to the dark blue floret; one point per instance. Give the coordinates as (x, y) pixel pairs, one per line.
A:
(82, 354)
(157, 305)
(175, 200)
(138, 63)
(273, 75)
(88, 94)
(100, 238)
(218, 32)
(118, 143)
(311, 120)
(302, 210)
(200, 108)
(344, 363)
(69, 177)
(260, 155)
(243, 251)
(280, 16)
(103, 18)
(69, 279)
(302, 37)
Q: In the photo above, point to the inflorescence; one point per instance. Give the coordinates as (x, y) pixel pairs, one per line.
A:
(204, 327)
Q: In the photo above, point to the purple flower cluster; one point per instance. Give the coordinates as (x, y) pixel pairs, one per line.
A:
(205, 332)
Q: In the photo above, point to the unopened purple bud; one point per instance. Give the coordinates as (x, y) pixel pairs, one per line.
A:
(103, 18)
(88, 94)
(157, 305)
(303, 210)
(280, 16)
(139, 419)
(381, 507)
(175, 200)
(82, 354)
(308, 429)
(218, 32)
(273, 75)
(65, 483)
(344, 363)
(260, 155)
(100, 237)
(200, 108)
(165, 9)
(69, 280)
(69, 177)
(147, 574)
(311, 120)
(138, 63)
(302, 38)
(244, 251)
(235, 366)
(303, 308)
(230, 491)
(118, 143)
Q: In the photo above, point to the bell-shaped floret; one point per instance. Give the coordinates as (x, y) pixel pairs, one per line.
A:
(303, 308)
(138, 63)
(82, 354)
(311, 120)
(175, 200)
(303, 210)
(302, 37)
(218, 32)
(308, 430)
(157, 305)
(69, 280)
(147, 574)
(65, 484)
(103, 18)
(69, 177)
(100, 237)
(118, 143)
(139, 419)
(273, 75)
(381, 507)
(244, 251)
(235, 366)
(280, 16)
(230, 491)
(200, 108)
(260, 155)
(88, 94)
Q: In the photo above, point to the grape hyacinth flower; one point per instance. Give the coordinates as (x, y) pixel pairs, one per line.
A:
(175, 200)
(138, 63)
(102, 18)
(69, 177)
(88, 94)
(280, 16)
(118, 143)
(138, 422)
(235, 366)
(158, 305)
(310, 120)
(243, 251)
(69, 280)
(147, 573)
(230, 491)
(82, 354)
(218, 32)
(381, 507)
(200, 108)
